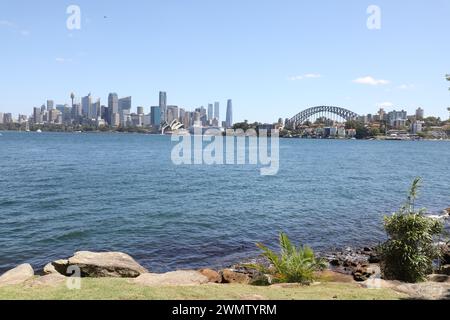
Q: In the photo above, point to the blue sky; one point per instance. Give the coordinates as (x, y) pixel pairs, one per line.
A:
(273, 58)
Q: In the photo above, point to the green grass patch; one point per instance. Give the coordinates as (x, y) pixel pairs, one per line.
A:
(122, 289)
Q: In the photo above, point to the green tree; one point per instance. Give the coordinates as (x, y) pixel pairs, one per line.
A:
(409, 253)
(292, 265)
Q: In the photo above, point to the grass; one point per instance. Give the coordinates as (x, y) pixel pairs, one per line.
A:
(121, 289)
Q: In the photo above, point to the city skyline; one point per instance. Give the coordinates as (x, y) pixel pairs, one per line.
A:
(275, 60)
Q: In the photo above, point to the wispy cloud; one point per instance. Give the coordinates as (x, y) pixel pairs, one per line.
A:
(406, 86)
(11, 25)
(369, 80)
(63, 60)
(305, 76)
(385, 105)
(6, 23)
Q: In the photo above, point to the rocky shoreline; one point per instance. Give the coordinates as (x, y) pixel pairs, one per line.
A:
(347, 265)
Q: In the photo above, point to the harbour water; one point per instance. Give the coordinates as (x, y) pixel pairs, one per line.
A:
(61, 193)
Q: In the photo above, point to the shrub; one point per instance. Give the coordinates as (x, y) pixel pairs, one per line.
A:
(410, 250)
(292, 265)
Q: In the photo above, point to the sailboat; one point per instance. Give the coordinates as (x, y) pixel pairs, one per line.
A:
(27, 127)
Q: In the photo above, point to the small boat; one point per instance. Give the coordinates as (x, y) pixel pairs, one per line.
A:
(39, 131)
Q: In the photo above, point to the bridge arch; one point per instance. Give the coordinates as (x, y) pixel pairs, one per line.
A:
(309, 113)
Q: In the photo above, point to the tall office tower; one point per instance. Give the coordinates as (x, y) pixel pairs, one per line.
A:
(43, 108)
(210, 111)
(94, 110)
(125, 104)
(229, 121)
(187, 120)
(1, 118)
(113, 106)
(140, 110)
(86, 105)
(155, 115)
(172, 114)
(163, 105)
(7, 118)
(217, 110)
(37, 118)
(50, 105)
(420, 113)
(181, 114)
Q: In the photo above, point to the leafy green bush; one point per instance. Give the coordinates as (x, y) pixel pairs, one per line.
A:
(409, 253)
(292, 265)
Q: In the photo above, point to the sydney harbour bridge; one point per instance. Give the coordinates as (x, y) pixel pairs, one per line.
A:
(322, 112)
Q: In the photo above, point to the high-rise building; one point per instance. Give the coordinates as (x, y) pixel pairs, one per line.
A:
(217, 111)
(37, 116)
(94, 110)
(163, 105)
(172, 113)
(113, 107)
(7, 118)
(113, 102)
(86, 105)
(140, 110)
(229, 121)
(1, 118)
(125, 104)
(155, 115)
(210, 112)
(420, 114)
(50, 105)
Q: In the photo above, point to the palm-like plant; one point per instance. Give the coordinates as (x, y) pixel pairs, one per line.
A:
(292, 265)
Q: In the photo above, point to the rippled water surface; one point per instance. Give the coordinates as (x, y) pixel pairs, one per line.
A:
(61, 193)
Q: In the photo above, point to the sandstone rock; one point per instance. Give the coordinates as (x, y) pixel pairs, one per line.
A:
(56, 267)
(439, 278)
(379, 284)
(106, 264)
(49, 280)
(176, 278)
(17, 275)
(425, 290)
(231, 276)
(446, 255)
(213, 276)
(445, 270)
(50, 269)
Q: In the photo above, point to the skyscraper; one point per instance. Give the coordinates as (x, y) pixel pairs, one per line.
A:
(210, 112)
(217, 111)
(50, 105)
(420, 114)
(113, 107)
(86, 105)
(124, 104)
(113, 102)
(229, 121)
(155, 116)
(163, 105)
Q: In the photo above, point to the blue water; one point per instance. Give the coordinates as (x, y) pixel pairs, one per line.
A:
(61, 193)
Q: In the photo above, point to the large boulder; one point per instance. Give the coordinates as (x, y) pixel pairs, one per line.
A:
(232, 276)
(17, 275)
(213, 276)
(176, 278)
(102, 264)
(49, 280)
